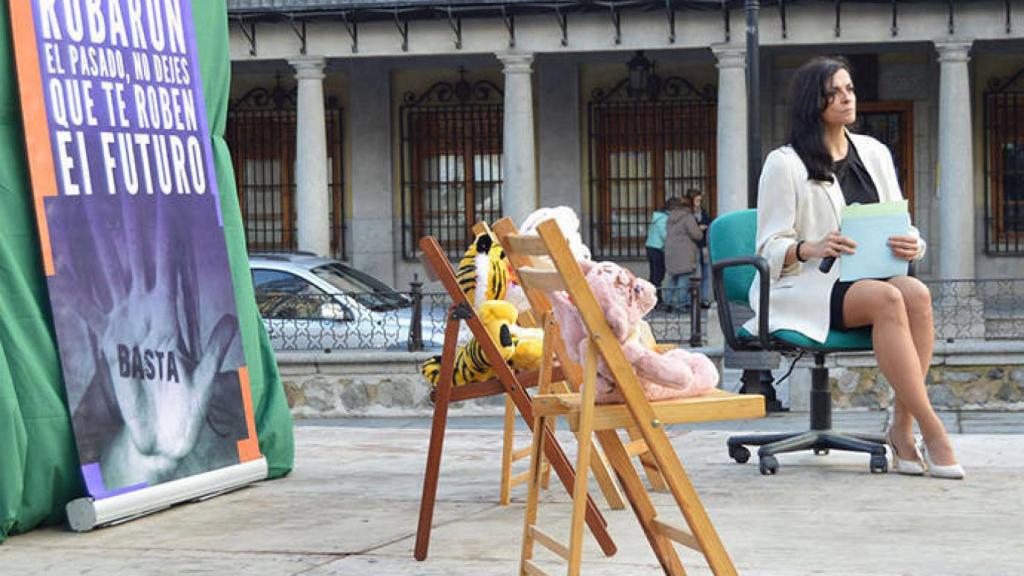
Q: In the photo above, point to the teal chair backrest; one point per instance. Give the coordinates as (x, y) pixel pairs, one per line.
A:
(733, 235)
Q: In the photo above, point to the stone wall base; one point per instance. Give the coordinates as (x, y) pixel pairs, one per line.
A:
(963, 376)
(365, 383)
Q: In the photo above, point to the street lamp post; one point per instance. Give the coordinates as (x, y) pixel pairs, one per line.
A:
(753, 103)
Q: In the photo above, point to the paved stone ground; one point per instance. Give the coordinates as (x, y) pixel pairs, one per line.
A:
(350, 508)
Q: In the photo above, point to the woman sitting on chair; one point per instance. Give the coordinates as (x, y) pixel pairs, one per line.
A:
(803, 189)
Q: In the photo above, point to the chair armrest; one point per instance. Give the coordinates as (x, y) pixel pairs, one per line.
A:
(725, 314)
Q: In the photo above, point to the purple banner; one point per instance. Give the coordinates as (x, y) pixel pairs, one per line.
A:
(141, 288)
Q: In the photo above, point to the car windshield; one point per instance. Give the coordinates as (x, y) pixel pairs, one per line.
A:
(362, 287)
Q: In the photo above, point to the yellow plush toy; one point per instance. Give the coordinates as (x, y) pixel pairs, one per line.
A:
(483, 275)
(484, 264)
(472, 365)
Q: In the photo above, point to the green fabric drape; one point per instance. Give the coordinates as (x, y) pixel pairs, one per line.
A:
(38, 463)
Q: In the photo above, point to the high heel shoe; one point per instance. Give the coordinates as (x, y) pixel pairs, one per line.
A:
(949, 471)
(902, 465)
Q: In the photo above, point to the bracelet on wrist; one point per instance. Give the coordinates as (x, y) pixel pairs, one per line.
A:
(799, 259)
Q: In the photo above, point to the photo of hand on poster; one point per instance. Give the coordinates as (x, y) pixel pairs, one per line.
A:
(163, 397)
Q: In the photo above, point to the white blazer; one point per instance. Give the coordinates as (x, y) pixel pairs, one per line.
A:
(791, 207)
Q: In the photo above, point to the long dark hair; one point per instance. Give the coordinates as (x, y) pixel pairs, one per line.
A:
(807, 100)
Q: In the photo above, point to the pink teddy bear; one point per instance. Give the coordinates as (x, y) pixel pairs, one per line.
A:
(625, 300)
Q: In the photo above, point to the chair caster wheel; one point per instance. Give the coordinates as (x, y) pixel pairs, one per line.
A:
(821, 451)
(739, 453)
(879, 465)
(768, 465)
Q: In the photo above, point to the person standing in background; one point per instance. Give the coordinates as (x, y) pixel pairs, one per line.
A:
(681, 253)
(656, 231)
(703, 221)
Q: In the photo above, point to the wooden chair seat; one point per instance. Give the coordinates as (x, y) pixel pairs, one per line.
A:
(714, 406)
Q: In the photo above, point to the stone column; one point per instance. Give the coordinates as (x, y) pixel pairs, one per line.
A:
(732, 128)
(558, 122)
(312, 198)
(956, 164)
(372, 247)
(519, 164)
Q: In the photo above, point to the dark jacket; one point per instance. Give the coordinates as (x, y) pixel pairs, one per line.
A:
(705, 220)
(683, 233)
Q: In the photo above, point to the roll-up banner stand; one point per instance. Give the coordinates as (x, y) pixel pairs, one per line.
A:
(133, 247)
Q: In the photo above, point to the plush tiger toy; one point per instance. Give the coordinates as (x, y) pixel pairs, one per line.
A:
(483, 264)
(471, 363)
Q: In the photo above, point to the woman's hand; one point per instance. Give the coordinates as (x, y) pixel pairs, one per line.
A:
(904, 247)
(833, 244)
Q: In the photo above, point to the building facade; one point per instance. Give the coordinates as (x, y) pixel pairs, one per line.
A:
(358, 126)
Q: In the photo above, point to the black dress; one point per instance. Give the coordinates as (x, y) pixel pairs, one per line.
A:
(858, 188)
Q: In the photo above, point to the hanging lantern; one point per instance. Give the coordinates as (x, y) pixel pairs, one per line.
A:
(643, 81)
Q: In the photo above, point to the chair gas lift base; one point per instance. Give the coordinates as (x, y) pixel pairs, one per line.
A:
(820, 438)
(734, 264)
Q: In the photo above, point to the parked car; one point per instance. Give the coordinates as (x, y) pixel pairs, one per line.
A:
(309, 302)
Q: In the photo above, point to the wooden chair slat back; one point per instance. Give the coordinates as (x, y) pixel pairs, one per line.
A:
(527, 245)
(504, 229)
(480, 228)
(437, 263)
(428, 248)
(537, 279)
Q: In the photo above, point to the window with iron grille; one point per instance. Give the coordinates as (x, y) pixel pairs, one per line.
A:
(892, 123)
(451, 140)
(1004, 166)
(260, 133)
(646, 145)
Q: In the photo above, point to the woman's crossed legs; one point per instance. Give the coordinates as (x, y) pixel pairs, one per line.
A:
(903, 334)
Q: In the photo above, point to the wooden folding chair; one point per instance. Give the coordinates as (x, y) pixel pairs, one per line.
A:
(510, 455)
(586, 419)
(573, 373)
(507, 382)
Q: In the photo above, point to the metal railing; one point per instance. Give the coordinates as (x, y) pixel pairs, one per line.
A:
(978, 309)
(413, 320)
(354, 321)
(971, 310)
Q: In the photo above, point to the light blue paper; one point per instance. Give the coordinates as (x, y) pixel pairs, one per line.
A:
(873, 257)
